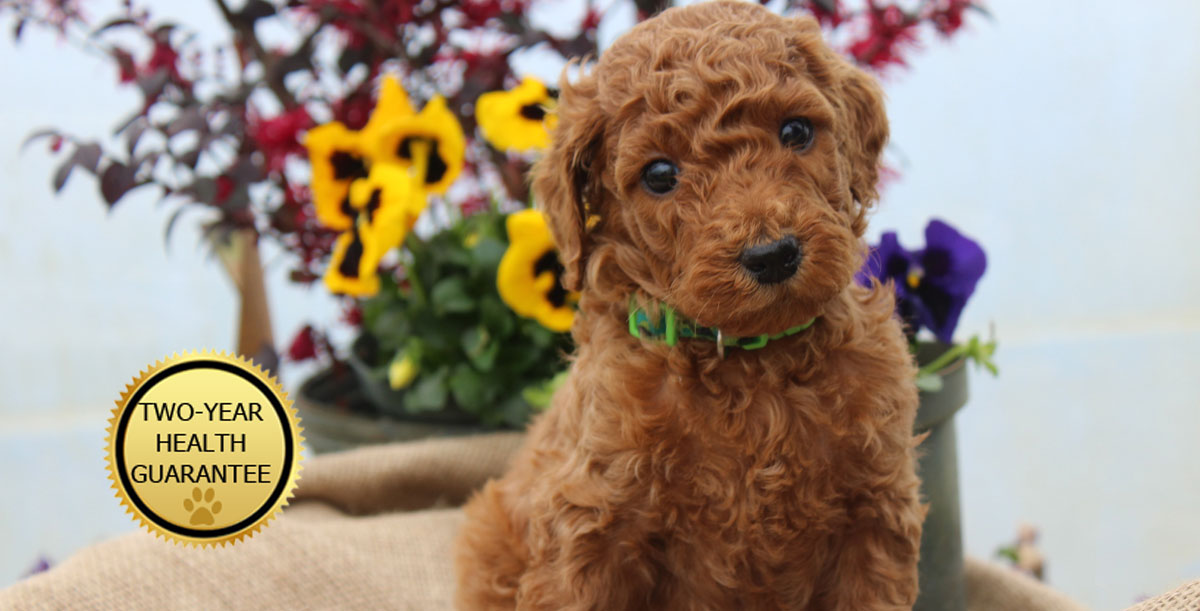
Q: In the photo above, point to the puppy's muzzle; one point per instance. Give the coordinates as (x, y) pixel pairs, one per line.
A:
(772, 263)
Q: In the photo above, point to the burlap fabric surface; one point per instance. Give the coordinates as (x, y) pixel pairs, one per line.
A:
(371, 528)
(1186, 596)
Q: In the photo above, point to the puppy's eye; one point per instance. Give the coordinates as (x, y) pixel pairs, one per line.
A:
(797, 133)
(660, 177)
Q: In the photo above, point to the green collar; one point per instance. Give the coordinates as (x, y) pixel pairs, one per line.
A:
(672, 327)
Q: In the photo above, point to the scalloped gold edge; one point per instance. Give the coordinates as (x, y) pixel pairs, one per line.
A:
(233, 359)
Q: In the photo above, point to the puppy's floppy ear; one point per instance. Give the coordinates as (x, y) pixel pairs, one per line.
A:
(863, 134)
(566, 180)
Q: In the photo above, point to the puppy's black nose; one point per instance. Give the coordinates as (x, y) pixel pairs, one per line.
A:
(774, 262)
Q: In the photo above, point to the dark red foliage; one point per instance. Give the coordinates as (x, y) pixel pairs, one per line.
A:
(279, 137)
(164, 57)
(474, 204)
(947, 15)
(295, 222)
(296, 211)
(591, 20)
(127, 69)
(891, 31)
(304, 345)
(828, 12)
(478, 12)
(225, 186)
(354, 109)
(297, 196)
(353, 315)
(346, 8)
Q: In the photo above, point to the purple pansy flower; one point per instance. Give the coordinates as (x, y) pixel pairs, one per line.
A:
(932, 284)
(41, 566)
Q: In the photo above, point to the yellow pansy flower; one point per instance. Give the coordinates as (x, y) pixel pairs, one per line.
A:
(346, 274)
(337, 159)
(519, 119)
(529, 274)
(388, 203)
(338, 155)
(399, 141)
(392, 104)
(373, 183)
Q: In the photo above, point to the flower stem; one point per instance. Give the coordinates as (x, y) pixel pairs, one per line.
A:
(974, 349)
(944, 360)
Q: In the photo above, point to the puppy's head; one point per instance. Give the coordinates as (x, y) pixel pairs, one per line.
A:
(719, 158)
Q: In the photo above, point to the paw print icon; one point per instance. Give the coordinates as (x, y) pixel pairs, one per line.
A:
(202, 507)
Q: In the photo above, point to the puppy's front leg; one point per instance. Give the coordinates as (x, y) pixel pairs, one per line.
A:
(876, 564)
(592, 561)
(491, 554)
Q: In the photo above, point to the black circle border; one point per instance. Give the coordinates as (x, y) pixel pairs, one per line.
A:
(288, 450)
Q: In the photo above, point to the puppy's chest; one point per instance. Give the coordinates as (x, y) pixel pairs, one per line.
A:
(759, 508)
(773, 486)
(765, 460)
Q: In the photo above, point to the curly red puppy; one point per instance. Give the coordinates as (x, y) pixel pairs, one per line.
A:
(716, 164)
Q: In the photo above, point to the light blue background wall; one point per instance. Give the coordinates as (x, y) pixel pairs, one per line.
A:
(1063, 136)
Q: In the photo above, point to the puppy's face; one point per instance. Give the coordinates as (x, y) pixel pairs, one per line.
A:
(727, 157)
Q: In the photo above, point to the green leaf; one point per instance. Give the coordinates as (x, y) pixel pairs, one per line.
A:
(487, 254)
(471, 390)
(479, 346)
(456, 255)
(929, 382)
(514, 412)
(376, 306)
(428, 393)
(486, 361)
(1008, 553)
(538, 395)
(539, 335)
(519, 356)
(449, 295)
(981, 353)
(474, 340)
(391, 327)
(497, 316)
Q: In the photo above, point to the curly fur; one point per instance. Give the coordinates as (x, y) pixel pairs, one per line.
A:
(670, 478)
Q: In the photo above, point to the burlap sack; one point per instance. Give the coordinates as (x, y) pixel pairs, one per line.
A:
(1186, 596)
(371, 528)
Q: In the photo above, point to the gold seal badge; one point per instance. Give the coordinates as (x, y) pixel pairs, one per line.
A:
(204, 448)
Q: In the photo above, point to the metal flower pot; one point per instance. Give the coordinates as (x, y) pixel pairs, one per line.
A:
(338, 413)
(943, 586)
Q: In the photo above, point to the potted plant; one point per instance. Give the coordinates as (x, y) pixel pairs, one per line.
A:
(932, 286)
(440, 351)
(246, 134)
